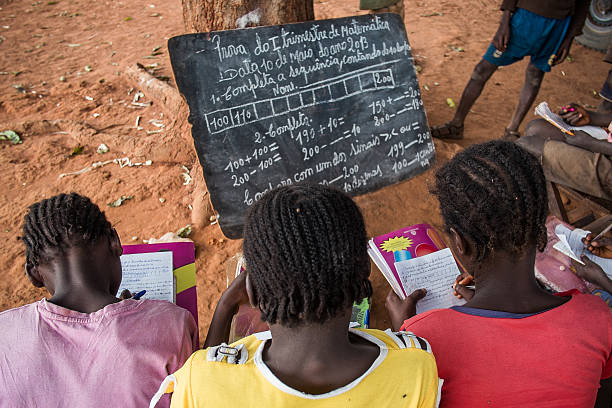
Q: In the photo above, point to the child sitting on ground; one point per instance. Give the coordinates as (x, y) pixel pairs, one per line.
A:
(513, 343)
(305, 248)
(84, 347)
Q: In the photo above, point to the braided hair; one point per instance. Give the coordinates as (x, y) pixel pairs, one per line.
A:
(305, 248)
(494, 194)
(60, 222)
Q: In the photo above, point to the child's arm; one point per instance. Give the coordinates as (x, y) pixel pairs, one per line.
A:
(502, 36)
(575, 29)
(585, 141)
(593, 273)
(400, 310)
(227, 307)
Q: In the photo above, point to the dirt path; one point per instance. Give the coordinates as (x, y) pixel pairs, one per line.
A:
(63, 85)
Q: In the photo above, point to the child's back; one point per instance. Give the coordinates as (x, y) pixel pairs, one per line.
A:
(115, 357)
(403, 375)
(305, 249)
(84, 347)
(513, 343)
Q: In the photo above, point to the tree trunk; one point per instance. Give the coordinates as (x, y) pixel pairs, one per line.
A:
(211, 15)
(395, 8)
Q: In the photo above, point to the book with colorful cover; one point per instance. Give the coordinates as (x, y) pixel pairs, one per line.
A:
(403, 244)
(183, 271)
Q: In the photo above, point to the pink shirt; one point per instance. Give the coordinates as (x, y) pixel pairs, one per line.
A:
(555, 358)
(52, 357)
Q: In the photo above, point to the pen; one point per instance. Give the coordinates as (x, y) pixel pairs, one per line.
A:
(138, 295)
(601, 234)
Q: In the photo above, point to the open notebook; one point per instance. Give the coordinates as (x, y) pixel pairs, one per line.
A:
(416, 257)
(166, 271)
(544, 111)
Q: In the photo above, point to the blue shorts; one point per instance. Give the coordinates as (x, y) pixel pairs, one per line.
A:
(533, 35)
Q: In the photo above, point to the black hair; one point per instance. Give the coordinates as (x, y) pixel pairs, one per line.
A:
(494, 194)
(305, 248)
(60, 222)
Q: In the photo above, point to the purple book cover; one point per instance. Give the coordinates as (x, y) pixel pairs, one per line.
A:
(183, 259)
(407, 243)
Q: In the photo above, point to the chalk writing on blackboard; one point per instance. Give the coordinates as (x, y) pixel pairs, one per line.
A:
(335, 102)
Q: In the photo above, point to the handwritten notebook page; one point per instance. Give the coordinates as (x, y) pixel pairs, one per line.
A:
(151, 272)
(435, 272)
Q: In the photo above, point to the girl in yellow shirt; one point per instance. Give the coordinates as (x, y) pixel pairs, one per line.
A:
(305, 248)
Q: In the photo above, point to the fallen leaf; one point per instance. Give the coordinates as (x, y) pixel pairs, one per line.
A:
(450, 102)
(11, 136)
(434, 14)
(78, 149)
(184, 232)
(118, 202)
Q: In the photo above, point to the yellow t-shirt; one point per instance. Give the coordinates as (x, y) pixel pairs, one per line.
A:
(403, 375)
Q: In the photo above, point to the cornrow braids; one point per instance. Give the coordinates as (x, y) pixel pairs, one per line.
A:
(305, 248)
(495, 195)
(60, 222)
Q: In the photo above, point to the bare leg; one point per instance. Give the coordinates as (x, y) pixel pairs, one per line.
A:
(483, 71)
(605, 106)
(454, 129)
(537, 133)
(533, 80)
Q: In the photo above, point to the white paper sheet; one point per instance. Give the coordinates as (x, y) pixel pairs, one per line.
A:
(435, 272)
(148, 271)
(574, 241)
(544, 111)
(564, 247)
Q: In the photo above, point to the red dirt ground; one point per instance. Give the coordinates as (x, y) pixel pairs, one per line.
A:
(45, 47)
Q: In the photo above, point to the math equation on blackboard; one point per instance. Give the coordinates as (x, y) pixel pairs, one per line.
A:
(335, 102)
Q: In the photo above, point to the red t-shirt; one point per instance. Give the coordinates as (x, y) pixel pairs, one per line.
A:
(555, 358)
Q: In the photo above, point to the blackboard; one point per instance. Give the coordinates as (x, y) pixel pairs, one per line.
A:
(335, 102)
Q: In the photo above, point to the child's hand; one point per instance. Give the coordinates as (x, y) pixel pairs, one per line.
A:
(400, 310)
(590, 271)
(563, 51)
(459, 287)
(601, 247)
(575, 115)
(502, 36)
(236, 294)
(125, 294)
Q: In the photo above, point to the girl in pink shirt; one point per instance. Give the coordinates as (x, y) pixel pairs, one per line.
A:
(84, 347)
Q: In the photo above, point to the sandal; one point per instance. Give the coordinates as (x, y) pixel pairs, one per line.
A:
(447, 131)
(511, 135)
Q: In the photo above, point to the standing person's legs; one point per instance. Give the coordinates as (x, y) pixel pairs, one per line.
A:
(454, 129)
(606, 91)
(533, 80)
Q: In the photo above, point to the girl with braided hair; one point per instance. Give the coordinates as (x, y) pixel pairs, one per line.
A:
(84, 347)
(305, 248)
(513, 343)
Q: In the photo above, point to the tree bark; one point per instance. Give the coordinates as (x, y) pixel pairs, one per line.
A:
(395, 8)
(212, 15)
